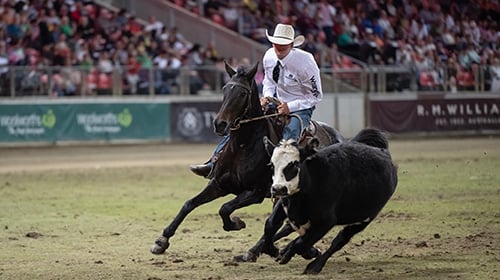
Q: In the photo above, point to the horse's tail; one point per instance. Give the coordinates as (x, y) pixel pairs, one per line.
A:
(372, 137)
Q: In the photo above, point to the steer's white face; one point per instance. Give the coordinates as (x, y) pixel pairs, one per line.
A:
(285, 160)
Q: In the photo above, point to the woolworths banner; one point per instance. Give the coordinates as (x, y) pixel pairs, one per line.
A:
(82, 122)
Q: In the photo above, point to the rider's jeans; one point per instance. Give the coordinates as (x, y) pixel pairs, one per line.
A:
(295, 127)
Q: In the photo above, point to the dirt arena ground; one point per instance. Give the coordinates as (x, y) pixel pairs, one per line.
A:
(441, 236)
(99, 156)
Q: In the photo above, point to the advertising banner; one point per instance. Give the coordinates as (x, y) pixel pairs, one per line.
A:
(436, 114)
(193, 121)
(81, 122)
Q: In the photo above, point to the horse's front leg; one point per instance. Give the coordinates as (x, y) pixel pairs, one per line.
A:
(245, 198)
(211, 192)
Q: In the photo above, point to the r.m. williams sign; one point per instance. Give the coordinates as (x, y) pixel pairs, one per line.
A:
(436, 114)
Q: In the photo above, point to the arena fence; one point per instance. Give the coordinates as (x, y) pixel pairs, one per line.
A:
(47, 105)
(85, 81)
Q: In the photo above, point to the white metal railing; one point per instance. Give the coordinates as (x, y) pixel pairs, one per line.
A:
(19, 81)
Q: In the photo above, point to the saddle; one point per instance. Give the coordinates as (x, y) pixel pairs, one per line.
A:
(276, 125)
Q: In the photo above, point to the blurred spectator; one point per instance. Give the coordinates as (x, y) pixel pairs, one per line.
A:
(120, 53)
(345, 40)
(65, 27)
(62, 51)
(385, 25)
(71, 79)
(104, 64)
(495, 75)
(161, 60)
(4, 62)
(325, 13)
(195, 59)
(368, 47)
(85, 28)
(312, 46)
(132, 73)
(231, 14)
(154, 26)
(212, 10)
(86, 63)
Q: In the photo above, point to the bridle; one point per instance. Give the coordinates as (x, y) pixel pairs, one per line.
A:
(241, 118)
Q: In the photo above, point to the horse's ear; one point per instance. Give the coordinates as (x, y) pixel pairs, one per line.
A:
(268, 145)
(251, 73)
(229, 69)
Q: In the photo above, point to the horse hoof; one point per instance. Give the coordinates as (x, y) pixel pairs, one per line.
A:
(239, 224)
(314, 267)
(311, 253)
(236, 224)
(160, 246)
(247, 257)
(285, 256)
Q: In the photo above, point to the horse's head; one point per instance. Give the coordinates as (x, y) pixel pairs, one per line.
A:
(241, 99)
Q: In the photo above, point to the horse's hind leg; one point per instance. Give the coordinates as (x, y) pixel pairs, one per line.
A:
(243, 199)
(340, 240)
(210, 193)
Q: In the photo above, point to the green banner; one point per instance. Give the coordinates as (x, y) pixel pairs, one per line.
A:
(83, 122)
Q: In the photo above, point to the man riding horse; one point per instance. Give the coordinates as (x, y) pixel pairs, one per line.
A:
(292, 76)
(242, 168)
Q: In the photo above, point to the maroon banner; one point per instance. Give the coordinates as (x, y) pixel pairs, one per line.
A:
(436, 114)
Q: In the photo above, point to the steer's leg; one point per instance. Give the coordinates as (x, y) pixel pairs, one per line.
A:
(211, 192)
(302, 244)
(340, 240)
(287, 229)
(265, 243)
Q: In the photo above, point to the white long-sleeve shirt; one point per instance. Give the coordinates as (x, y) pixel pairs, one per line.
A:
(299, 83)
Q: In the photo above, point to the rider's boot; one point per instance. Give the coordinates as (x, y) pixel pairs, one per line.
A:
(203, 170)
(206, 169)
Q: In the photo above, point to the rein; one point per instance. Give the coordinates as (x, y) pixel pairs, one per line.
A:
(236, 127)
(266, 117)
(246, 87)
(259, 118)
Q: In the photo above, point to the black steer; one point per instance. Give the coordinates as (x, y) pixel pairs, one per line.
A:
(342, 184)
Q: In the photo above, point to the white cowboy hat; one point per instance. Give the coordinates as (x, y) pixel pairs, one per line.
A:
(284, 35)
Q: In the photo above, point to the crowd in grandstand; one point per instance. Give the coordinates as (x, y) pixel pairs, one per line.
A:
(446, 43)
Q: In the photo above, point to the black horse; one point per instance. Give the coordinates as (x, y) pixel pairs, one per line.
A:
(243, 167)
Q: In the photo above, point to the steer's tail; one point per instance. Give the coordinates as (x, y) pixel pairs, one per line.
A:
(372, 137)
